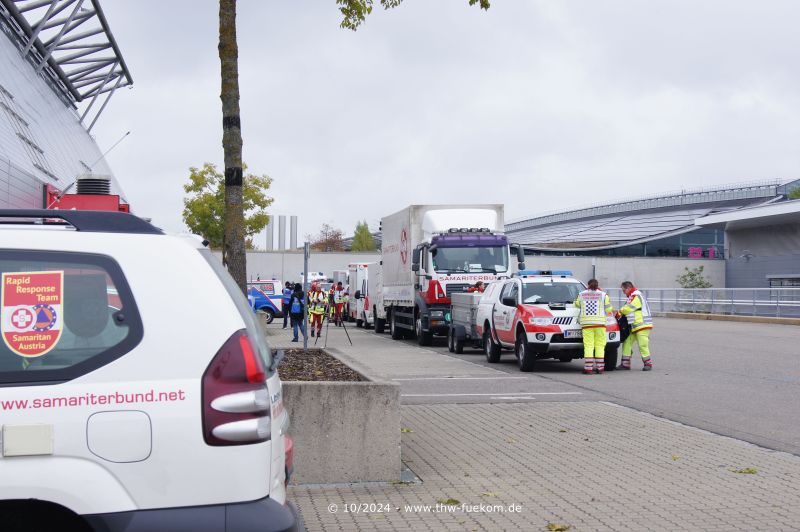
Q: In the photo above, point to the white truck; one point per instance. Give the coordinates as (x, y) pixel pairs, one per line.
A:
(357, 273)
(430, 252)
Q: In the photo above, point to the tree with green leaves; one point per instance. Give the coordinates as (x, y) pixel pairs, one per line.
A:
(794, 193)
(693, 278)
(354, 12)
(362, 238)
(204, 206)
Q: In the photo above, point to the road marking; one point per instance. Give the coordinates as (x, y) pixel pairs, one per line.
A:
(520, 394)
(458, 378)
(513, 398)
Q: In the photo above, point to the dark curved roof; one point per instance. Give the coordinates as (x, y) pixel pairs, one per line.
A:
(640, 220)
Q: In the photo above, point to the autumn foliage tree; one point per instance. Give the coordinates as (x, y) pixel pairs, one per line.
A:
(328, 239)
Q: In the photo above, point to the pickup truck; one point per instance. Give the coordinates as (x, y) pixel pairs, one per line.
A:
(533, 314)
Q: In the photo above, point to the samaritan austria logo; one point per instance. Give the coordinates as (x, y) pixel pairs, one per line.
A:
(31, 313)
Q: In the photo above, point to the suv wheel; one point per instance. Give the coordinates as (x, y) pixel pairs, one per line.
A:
(611, 358)
(490, 349)
(268, 315)
(526, 358)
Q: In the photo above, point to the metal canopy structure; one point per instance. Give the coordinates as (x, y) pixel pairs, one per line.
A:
(69, 41)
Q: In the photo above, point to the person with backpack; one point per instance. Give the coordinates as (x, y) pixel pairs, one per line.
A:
(638, 314)
(295, 311)
(286, 296)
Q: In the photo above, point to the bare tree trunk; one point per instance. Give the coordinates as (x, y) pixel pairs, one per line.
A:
(233, 248)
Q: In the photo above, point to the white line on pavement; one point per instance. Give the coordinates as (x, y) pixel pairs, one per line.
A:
(520, 394)
(457, 378)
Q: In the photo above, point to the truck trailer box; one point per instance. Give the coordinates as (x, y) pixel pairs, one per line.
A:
(404, 230)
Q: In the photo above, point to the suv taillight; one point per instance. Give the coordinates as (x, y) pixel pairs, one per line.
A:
(235, 395)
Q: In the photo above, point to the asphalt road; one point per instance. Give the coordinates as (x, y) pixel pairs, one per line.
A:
(736, 379)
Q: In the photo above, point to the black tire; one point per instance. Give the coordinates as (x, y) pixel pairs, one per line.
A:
(611, 358)
(526, 358)
(451, 340)
(459, 346)
(269, 315)
(397, 333)
(423, 338)
(490, 349)
(359, 323)
(380, 324)
(565, 359)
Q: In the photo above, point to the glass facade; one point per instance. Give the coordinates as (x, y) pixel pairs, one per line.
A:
(703, 243)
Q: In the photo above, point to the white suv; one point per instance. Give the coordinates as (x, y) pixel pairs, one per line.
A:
(533, 314)
(126, 402)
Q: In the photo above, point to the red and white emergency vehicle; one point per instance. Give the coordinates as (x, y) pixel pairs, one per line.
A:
(533, 314)
(357, 305)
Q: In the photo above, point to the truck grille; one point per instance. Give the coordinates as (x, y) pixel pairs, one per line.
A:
(566, 320)
(458, 288)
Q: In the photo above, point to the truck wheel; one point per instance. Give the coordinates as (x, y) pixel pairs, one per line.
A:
(490, 349)
(359, 323)
(423, 338)
(380, 324)
(526, 358)
(611, 358)
(451, 340)
(396, 333)
(459, 346)
(268, 315)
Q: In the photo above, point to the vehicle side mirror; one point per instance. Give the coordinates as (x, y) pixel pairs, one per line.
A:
(510, 301)
(357, 295)
(520, 266)
(415, 266)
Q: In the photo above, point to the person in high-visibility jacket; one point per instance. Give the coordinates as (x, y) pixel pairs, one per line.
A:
(637, 311)
(595, 307)
(338, 301)
(317, 301)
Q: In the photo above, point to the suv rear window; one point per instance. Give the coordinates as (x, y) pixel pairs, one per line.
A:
(62, 315)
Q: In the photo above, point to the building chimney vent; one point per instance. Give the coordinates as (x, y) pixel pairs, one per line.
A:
(94, 185)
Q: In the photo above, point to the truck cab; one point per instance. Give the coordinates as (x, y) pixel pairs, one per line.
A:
(533, 314)
(266, 297)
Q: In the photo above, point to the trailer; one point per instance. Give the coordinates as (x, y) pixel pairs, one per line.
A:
(463, 320)
(373, 299)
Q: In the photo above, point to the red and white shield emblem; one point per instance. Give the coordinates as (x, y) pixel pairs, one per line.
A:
(403, 246)
(32, 311)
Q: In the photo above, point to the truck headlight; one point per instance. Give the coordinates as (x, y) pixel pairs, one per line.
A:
(540, 321)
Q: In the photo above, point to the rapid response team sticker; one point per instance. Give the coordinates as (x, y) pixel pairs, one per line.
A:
(32, 311)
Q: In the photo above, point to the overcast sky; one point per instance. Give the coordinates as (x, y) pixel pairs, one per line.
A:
(541, 105)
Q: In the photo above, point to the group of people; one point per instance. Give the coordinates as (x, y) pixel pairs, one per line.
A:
(595, 307)
(319, 302)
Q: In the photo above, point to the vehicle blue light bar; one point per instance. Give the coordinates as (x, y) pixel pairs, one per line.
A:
(563, 273)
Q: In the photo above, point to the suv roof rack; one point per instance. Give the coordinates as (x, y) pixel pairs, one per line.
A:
(88, 221)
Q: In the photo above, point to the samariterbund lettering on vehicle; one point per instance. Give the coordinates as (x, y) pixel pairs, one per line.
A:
(430, 252)
(122, 409)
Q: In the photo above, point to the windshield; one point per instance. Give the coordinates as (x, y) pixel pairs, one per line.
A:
(492, 259)
(542, 293)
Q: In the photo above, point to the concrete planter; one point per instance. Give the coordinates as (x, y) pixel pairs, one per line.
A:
(344, 431)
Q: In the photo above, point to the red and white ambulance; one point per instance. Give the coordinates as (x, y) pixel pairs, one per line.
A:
(533, 314)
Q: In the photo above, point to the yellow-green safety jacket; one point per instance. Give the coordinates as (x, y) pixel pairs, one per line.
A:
(637, 311)
(595, 307)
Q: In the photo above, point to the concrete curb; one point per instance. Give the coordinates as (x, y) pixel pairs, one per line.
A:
(726, 317)
(344, 431)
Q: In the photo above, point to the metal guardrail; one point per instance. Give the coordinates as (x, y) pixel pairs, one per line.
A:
(775, 302)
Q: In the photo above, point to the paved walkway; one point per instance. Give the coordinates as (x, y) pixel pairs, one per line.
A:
(583, 463)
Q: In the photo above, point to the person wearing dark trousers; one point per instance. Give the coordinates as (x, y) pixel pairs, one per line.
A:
(286, 296)
(294, 310)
